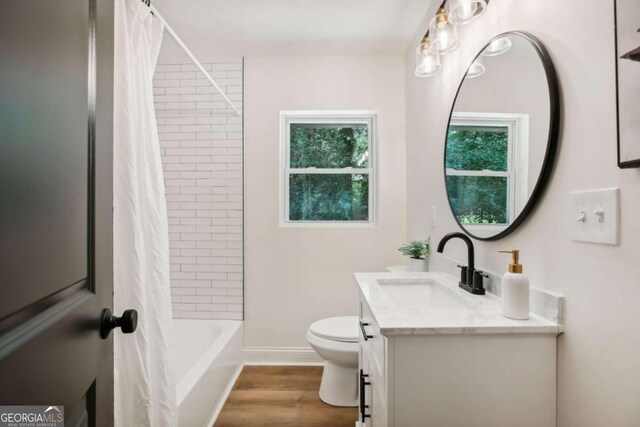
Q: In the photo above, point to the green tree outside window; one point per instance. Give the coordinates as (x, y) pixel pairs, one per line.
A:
(476, 198)
(328, 196)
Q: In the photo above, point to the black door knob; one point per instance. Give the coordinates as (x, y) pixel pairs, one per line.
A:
(127, 323)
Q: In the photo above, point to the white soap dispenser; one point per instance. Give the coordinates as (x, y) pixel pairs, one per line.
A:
(515, 290)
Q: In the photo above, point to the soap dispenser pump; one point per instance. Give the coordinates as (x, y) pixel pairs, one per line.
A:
(515, 290)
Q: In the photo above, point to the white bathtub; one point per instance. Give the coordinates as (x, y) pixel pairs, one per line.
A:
(208, 357)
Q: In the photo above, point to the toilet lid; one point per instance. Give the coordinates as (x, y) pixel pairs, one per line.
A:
(343, 328)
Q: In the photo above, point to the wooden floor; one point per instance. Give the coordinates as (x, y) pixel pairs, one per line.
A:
(281, 396)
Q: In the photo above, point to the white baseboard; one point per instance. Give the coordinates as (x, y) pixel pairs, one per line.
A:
(224, 396)
(299, 356)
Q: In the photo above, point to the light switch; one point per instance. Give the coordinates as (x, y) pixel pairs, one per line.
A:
(596, 216)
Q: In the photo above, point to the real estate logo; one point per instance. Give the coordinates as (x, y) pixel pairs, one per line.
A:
(31, 416)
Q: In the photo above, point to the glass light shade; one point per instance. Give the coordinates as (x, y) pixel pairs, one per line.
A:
(444, 34)
(497, 47)
(427, 61)
(465, 11)
(476, 69)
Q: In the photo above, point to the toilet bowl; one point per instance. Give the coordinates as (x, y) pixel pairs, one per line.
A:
(336, 340)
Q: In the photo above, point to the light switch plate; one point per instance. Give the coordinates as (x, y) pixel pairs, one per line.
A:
(596, 216)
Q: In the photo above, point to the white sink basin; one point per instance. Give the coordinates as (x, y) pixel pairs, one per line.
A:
(421, 293)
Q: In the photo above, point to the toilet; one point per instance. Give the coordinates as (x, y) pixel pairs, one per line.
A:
(336, 340)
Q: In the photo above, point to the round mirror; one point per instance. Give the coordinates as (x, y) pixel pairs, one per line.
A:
(502, 136)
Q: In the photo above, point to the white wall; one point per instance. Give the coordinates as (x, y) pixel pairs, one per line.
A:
(599, 355)
(294, 276)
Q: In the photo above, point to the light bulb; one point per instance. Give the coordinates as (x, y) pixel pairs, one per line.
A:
(427, 59)
(445, 34)
(497, 47)
(476, 69)
(442, 39)
(429, 64)
(465, 11)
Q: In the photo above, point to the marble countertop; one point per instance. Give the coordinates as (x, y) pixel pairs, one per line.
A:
(407, 303)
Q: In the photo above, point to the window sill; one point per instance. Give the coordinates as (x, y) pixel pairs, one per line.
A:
(318, 224)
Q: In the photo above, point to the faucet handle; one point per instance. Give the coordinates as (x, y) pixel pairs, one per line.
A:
(478, 277)
(463, 273)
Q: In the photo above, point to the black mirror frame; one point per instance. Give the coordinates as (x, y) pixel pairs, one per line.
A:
(552, 139)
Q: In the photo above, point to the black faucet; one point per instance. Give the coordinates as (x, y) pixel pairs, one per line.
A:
(470, 279)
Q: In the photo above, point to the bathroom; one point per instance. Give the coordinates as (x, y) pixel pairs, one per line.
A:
(188, 203)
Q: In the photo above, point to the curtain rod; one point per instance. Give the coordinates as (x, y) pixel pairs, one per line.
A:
(186, 50)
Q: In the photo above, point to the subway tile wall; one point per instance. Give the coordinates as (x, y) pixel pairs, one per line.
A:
(201, 144)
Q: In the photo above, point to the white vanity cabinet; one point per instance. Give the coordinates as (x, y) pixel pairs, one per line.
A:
(372, 368)
(412, 375)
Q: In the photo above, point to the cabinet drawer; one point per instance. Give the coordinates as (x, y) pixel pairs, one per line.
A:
(371, 340)
(365, 397)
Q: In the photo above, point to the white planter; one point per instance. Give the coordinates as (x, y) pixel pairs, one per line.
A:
(417, 264)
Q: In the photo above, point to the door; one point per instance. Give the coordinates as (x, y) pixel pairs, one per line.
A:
(56, 109)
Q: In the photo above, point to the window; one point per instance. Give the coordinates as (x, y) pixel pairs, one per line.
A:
(486, 167)
(327, 168)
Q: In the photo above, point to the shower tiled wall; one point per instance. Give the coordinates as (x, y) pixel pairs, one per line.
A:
(201, 143)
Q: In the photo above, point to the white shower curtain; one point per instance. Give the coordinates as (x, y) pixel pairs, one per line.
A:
(144, 380)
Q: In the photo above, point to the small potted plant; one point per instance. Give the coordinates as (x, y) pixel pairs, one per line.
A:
(418, 252)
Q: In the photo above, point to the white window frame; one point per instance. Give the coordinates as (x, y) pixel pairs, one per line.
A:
(517, 163)
(368, 118)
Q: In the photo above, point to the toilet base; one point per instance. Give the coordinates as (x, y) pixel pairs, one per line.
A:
(339, 385)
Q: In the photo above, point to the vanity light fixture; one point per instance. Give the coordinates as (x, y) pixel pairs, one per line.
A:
(444, 32)
(464, 11)
(497, 47)
(442, 36)
(476, 69)
(427, 58)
